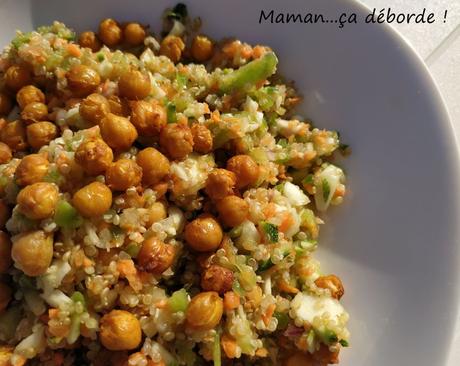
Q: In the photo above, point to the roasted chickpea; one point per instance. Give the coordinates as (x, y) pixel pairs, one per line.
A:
(93, 199)
(134, 34)
(130, 199)
(120, 331)
(110, 32)
(94, 156)
(29, 94)
(17, 76)
(155, 166)
(14, 135)
(217, 278)
(177, 140)
(31, 169)
(204, 311)
(94, 107)
(5, 252)
(89, 40)
(148, 117)
(155, 256)
(6, 295)
(6, 104)
(202, 48)
(34, 112)
(4, 213)
(220, 183)
(203, 234)
(172, 47)
(82, 80)
(331, 283)
(38, 201)
(41, 133)
(245, 169)
(118, 106)
(122, 174)
(5, 153)
(157, 212)
(202, 138)
(299, 359)
(233, 210)
(134, 84)
(32, 252)
(117, 131)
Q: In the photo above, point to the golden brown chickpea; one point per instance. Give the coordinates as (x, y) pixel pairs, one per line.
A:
(31, 169)
(202, 48)
(134, 84)
(82, 80)
(172, 47)
(130, 199)
(89, 40)
(41, 133)
(6, 104)
(29, 94)
(34, 112)
(148, 117)
(120, 331)
(17, 76)
(202, 138)
(32, 252)
(5, 296)
(93, 200)
(217, 278)
(134, 34)
(331, 283)
(94, 107)
(38, 201)
(233, 210)
(94, 156)
(299, 359)
(118, 106)
(155, 166)
(4, 213)
(157, 212)
(117, 131)
(245, 169)
(220, 183)
(110, 32)
(5, 355)
(203, 234)
(122, 174)
(177, 140)
(155, 256)
(14, 135)
(5, 153)
(5, 252)
(204, 311)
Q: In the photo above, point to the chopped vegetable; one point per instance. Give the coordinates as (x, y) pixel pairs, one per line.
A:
(66, 216)
(216, 356)
(171, 112)
(179, 301)
(271, 230)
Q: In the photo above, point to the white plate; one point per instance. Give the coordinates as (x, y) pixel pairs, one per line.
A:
(394, 242)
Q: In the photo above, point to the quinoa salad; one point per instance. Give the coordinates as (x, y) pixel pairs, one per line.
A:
(160, 203)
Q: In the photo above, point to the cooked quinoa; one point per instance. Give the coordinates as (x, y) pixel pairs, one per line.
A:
(161, 203)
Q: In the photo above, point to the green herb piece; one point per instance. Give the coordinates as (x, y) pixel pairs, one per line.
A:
(66, 216)
(179, 12)
(283, 320)
(309, 179)
(171, 112)
(326, 189)
(178, 301)
(100, 56)
(271, 230)
(263, 266)
(344, 343)
(133, 250)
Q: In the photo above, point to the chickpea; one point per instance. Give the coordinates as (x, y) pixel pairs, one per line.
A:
(202, 138)
(130, 199)
(123, 174)
(245, 169)
(94, 156)
(31, 169)
(93, 199)
(202, 48)
(333, 284)
(14, 135)
(156, 212)
(6, 104)
(38, 201)
(148, 117)
(94, 107)
(134, 84)
(120, 331)
(204, 311)
(34, 112)
(5, 153)
(233, 210)
(177, 140)
(89, 40)
(299, 359)
(117, 131)
(29, 94)
(4, 214)
(82, 80)
(155, 256)
(118, 106)
(32, 252)
(203, 234)
(41, 133)
(172, 47)
(5, 252)
(155, 166)
(6, 294)
(220, 183)
(17, 76)
(110, 32)
(217, 278)
(134, 34)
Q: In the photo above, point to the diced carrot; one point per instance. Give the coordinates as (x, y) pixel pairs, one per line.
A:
(262, 352)
(286, 287)
(269, 210)
(128, 270)
(231, 300)
(268, 314)
(58, 329)
(161, 304)
(73, 50)
(228, 345)
(340, 191)
(287, 222)
(53, 313)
